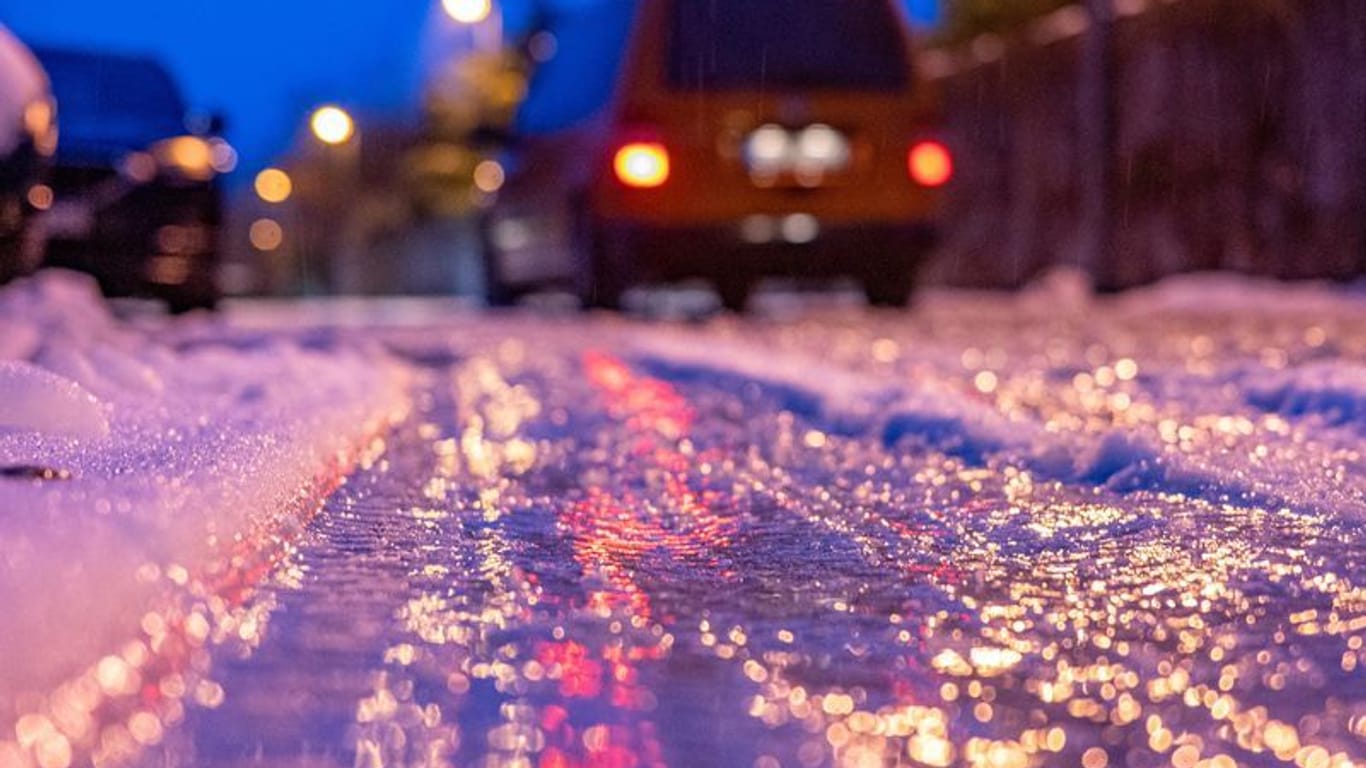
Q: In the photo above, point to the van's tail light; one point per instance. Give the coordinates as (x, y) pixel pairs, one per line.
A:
(642, 164)
(930, 164)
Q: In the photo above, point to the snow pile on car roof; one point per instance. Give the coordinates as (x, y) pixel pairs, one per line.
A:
(149, 472)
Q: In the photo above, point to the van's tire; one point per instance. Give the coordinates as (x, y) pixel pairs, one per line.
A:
(199, 293)
(179, 305)
(602, 293)
(21, 250)
(605, 275)
(892, 282)
(11, 257)
(497, 293)
(734, 292)
(889, 290)
(500, 297)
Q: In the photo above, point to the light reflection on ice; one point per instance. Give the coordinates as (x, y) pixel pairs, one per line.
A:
(1108, 551)
(1027, 623)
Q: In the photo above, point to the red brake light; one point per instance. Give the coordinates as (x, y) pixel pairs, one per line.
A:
(930, 164)
(642, 164)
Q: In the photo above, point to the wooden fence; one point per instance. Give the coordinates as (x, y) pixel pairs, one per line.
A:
(1239, 143)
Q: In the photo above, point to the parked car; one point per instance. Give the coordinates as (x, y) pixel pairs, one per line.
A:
(28, 137)
(137, 196)
(733, 140)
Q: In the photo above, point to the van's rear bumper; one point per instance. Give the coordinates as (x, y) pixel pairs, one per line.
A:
(794, 245)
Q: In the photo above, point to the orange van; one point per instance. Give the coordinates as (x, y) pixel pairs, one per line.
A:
(742, 139)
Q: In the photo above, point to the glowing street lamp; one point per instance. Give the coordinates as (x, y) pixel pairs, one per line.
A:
(273, 185)
(483, 19)
(468, 11)
(332, 125)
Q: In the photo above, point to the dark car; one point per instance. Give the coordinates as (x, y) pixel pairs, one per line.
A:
(28, 136)
(137, 197)
(733, 140)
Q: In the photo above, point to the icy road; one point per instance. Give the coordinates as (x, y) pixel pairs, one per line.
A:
(1044, 530)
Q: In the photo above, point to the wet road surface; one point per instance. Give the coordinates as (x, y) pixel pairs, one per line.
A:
(1021, 538)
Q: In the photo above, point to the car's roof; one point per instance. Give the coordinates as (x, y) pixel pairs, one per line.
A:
(111, 102)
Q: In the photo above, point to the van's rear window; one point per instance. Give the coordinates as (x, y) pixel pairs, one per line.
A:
(785, 44)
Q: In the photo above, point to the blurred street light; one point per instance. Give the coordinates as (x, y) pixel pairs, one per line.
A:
(468, 11)
(273, 185)
(489, 176)
(266, 234)
(482, 18)
(332, 125)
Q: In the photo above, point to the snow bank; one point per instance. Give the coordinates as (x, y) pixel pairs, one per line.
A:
(929, 411)
(1058, 292)
(34, 399)
(1067, 292)
(1223, 292)
(941, 412)
(1334, 391)
(187, 464)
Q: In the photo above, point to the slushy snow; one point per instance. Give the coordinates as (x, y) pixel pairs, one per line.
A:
(188, 464)
(152, 471)
(34, 399)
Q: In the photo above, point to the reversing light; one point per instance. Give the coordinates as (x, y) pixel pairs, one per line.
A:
(642, 165)
(930, 164)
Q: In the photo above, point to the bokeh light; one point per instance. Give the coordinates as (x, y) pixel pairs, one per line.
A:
(489, 176)
(332, 125)
(40, 196)
(224, 156)
(930, 164)
(188, 156)
(266, 234)
(642, 164)
(468, 11)
(273, 185)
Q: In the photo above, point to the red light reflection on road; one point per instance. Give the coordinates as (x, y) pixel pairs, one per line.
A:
(613, 534)
(580, 674)
(648, 404)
